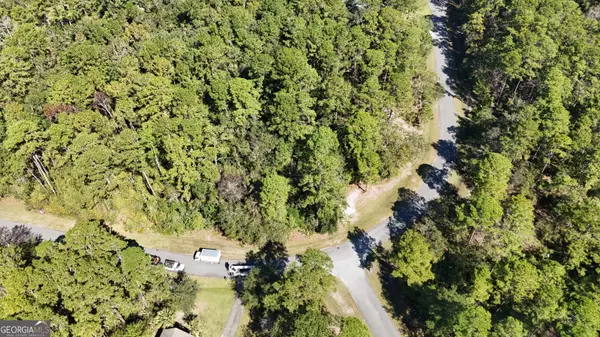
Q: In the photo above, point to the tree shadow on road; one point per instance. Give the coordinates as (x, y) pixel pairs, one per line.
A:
(447, 150)
(363, 245)
(452, 43)
(271, 258)
(436, 179)
(407, 209)
(398, 296)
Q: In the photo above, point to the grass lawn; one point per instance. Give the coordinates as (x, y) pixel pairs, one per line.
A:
(340, 302)
(213, 303)
(14, 210)
(454, 177)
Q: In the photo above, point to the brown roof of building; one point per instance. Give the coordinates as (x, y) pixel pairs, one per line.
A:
(174, 332)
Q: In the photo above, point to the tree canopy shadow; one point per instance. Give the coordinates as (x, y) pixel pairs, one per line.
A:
(450, 40)
(447, 150)
(436, 179)
(407, 209)
(363, 244)
(272, 257)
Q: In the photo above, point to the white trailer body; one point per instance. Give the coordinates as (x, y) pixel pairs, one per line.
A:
(208, 255)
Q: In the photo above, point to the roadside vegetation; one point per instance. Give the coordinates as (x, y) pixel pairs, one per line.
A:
(249, 117)
(91, 282)
(519, 255)
(289, 300)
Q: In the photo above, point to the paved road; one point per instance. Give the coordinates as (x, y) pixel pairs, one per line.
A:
(233, 321)
(347, 264)
(191, 267)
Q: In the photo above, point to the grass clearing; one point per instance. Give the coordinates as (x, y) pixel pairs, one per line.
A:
(340, 302)
(189, 242)
(15, 210)
(213, 303)
(456, 180)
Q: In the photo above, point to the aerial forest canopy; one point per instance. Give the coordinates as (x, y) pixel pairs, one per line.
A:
(90, 282)
(520, 255)
(250, 116)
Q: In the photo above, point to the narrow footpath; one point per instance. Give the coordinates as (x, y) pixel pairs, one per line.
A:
(234, 318)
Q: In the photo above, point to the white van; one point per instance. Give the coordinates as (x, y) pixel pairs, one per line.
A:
(208, 255)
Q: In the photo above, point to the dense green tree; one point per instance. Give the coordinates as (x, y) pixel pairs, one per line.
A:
(413, 258)
(288, 300)
(510, 327)
(91, 282)
(323, 179)
(353, 327)
(520, 252)
(147, 108)
(273, 198)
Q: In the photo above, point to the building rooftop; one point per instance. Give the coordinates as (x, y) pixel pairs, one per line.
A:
(174, 332)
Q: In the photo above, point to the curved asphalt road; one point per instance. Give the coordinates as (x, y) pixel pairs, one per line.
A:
(346, 261)
(347, 265)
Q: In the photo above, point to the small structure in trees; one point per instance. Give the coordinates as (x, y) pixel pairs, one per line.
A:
(174, 332)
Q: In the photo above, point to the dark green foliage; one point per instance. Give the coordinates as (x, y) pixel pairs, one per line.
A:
(353, 327)
(174, 114)
(520, 255)
(91, 282)
(182, 293)
(289, 300)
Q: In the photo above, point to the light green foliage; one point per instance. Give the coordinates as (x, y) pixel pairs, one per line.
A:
(517, 281)
(413, 259)
(473, 321)
(273, 198)
(584, 316)
(323, 179)
(163, 101)
(290, 297)
(482, 286)
(354, 327)
(303, 285)
(91, 282)
(312, 323)
(510, 327)
(492, 175)
(363, 140)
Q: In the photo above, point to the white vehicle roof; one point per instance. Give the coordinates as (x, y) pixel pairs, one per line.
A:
(210, 252)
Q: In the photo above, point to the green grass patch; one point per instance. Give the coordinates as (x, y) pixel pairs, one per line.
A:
(15, 210)
(213, 303)
(340, 302)
(243, 324)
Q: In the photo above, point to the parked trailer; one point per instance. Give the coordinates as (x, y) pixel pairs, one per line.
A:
(208, 255)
